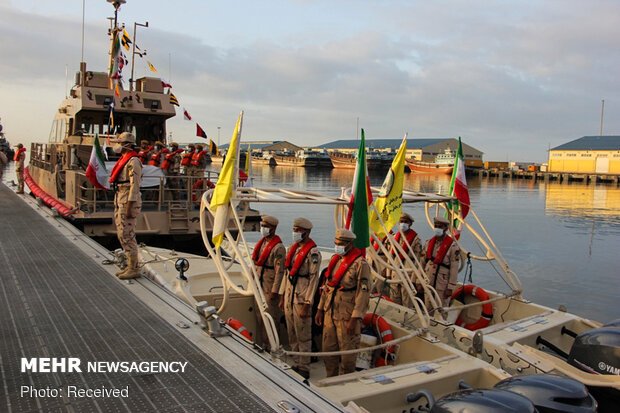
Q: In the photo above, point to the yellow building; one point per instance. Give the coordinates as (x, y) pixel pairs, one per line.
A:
(588, 154)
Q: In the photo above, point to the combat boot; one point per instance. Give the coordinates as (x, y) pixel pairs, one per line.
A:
(133, 271)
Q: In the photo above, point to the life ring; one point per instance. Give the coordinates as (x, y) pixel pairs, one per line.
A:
(487, 309)
(385, 334)
(198, 185)
(240, 328)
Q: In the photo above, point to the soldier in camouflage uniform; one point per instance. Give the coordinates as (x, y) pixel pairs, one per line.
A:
(413, 247)
(301, 280)
(441, 255)
(126, 177)
(172, 167)
(20, 158)
(344, 303)
(268, 256)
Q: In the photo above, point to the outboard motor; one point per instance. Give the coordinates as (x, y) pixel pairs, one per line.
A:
(483, 401)
(597, 351)
(551, 393)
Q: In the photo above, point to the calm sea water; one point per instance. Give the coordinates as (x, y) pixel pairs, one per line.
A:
(562, 240)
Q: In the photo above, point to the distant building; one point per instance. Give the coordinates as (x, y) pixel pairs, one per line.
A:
(267, 146)
(421, 149)
(588, 154)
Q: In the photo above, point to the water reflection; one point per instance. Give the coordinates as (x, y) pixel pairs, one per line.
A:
(596, 202)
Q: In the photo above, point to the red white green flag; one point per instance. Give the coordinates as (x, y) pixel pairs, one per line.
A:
(361, 197)
(458, 184)
(96, 171)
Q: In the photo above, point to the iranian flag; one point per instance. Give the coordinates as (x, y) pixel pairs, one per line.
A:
(96, 172)
(458, 184)
(361, 197)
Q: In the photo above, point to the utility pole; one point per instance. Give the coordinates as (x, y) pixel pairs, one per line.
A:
(602, 112)
(218, 136)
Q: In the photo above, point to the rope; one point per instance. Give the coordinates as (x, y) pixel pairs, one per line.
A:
(355, 350)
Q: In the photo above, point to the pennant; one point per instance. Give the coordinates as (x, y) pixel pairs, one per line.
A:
(165, 84)
(116, 90)
(125, 40)
(111, 116)
(186, 115)
(389, 204)
(199, 132)
(117, 60)
(212, 148)
(361, 197)
(151, 67)
(173, 100)
(139, 51)
(224, 187)
(96, 172)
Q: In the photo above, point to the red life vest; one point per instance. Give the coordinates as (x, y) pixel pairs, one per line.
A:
(120, 164)
(443, 249)
(156, 157)
(294, 266)
(168, 160)
(142, 154)
(260, 260)
(375, 244)
(347, 260)
(197, 158)
(409, 236)
(187, 158)
(18, 153)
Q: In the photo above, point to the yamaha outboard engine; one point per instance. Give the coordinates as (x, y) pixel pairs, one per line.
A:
(551, 393)
(597, 351)
(483, 401)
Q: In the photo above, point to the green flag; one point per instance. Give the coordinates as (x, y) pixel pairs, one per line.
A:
(361, 197)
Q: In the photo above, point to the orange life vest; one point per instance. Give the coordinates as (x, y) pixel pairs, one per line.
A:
(347, 260)
(187, 158)
(168, 160)
(120, 164)
(260, 260)
(443, 249)
(299, 259)
(142, 154)
(197, 158)
(18, 153)
(155, 158)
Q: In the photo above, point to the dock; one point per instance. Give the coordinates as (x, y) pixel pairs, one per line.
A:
(562, 177)
(60, 300)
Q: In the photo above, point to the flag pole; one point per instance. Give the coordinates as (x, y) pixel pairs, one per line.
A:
(133, 53)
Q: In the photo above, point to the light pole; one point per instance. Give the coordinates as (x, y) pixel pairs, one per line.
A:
(218, 136)
(133, 52)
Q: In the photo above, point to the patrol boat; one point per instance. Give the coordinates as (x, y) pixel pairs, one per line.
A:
(419, 357)
(96, 110)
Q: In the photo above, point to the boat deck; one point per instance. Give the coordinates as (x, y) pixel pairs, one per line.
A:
(56, 301)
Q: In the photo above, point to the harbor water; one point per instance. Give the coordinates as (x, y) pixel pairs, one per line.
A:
(562, 240)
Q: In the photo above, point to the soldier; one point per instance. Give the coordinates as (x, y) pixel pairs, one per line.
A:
(199, 161)
(344, 303)
(303, 262)
(157, 158)
(171, 167)
(146, 151)
(412, 245)
(186, 167)
(19, 158)
(441, 255)
(268, 256)
(126, 176)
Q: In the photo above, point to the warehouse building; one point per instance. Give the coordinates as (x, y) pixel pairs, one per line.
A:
(588, 154)
(424, 149)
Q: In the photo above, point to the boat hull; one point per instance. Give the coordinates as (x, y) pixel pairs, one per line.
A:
(295, 161)
(429, 168)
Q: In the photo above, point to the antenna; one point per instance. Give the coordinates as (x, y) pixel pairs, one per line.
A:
(83, 17)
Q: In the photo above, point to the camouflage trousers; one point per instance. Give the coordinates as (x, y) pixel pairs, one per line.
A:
(440, 286)
(274, 311)
(299, 333)
(335, 338)
(126, 227)
(20, 180)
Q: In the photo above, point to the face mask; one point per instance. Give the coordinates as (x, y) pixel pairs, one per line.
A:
(264, 231)
(117, 148)
(297, 236)
(157, 147)
(340, 249)
(404, 226)
(438, 232)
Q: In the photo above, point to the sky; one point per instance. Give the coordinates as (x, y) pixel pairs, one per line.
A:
(511, 77)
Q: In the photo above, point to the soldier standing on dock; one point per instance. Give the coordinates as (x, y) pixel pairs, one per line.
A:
(268, 256)
(126, 178)
(344, 303)
(301, 280)
(20, 158)
(441, 255)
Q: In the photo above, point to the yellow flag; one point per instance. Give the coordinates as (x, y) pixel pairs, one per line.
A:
(389, 203)
(224, 187)
(151, 67)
